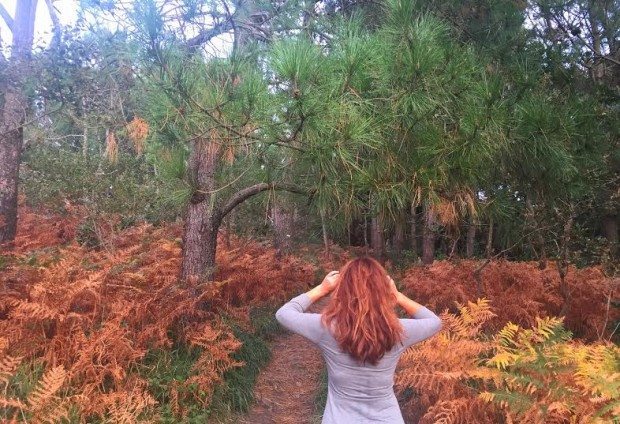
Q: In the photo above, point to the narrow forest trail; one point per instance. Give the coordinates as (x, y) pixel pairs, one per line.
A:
(286, 389)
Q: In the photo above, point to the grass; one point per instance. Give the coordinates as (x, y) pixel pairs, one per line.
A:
(321, 397)
(236, 393)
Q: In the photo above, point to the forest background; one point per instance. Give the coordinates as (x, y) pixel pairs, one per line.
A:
(171, 171)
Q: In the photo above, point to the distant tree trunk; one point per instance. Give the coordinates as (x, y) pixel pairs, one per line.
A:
(398, 239)
(377, 240)
(324, 230)
(413, 230)
(428, 236)
(610, 232)
(563, 263)
(453, 245)
(471, 238)
(540, 241)
(489, 246)
(282, 216)
(13, 114)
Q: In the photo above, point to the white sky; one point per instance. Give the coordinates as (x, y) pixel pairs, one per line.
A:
(66, 10)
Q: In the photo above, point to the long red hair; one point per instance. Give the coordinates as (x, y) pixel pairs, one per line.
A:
(361, 313)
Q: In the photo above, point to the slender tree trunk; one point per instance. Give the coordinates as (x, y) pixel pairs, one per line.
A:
(282, 216)
(563, 263)
(12, 116)
(202, 219)
(398, 239)
(489, 246)
(453, 246)
(324, 230)
(542, 254)
(428, 236)
(377, 240)
(471, 239)
(413, 230)
(610, 232)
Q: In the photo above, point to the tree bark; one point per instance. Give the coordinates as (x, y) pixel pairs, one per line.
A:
(428, 236)
(610, 232)
(13, 114)
(413, 230)
(202, 219)
(398, 239)
(471, 239)
(489, 246)
(282, 216)
(377, 240)
(563, 263)
(324, 230)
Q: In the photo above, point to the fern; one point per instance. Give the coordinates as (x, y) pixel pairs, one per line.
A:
(535, 374)
(8, 365)
(51, 382)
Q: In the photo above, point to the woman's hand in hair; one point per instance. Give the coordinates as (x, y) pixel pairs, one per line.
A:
(330, 281)
(410, 306)
(328, 284)
(393, 287)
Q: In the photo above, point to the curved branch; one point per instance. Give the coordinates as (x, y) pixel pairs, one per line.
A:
(207, 35)
(244, 194)
(54, 17)
(7, 17)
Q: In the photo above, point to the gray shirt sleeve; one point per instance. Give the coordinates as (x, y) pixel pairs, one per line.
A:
(292, 316)
(422, 325)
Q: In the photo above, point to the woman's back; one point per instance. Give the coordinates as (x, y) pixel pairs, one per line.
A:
(357, 392)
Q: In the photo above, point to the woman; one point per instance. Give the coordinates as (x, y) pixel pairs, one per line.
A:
(361, 339)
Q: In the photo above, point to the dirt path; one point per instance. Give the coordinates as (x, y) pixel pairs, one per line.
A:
(286, 389)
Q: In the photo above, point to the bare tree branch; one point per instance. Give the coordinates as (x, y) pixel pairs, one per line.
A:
(207, 35)
(7, 17)
(55, 21)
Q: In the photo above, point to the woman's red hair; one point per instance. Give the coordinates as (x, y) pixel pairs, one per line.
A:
(361, 313)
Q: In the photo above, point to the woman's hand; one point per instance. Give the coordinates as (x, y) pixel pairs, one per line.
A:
(328, 284)
(395, 291)
(330, 281)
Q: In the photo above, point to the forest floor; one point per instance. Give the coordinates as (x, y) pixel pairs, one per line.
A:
(287, 389)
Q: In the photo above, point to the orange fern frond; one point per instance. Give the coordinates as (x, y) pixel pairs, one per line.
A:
(46, 389)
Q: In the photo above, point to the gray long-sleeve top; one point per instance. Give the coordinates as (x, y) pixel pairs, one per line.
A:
(357, 393)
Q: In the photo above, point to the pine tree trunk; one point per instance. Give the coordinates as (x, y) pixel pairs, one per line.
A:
(471, 239)
(10, 152)
(376, 236)
(413, 230)
(610, 232)
(13, 114)
(563, 263)
(282, 216)
(428, 236)
(202, 219)
(398, 239)
(324, 230)
(489, 246)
